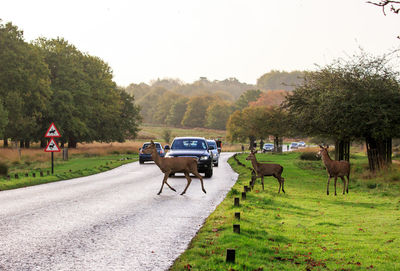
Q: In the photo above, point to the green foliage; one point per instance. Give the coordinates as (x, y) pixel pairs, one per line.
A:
(246, 98)
(195, 115)
(217, 115)
(3, 169)
(52, 81)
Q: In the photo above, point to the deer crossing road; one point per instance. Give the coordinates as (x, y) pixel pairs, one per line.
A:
(109, 221)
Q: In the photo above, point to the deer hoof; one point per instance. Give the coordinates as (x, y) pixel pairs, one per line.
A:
(158, 193)
(204, 191)
(182, 193)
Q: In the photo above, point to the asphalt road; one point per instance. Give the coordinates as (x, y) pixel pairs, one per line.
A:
(109, 221)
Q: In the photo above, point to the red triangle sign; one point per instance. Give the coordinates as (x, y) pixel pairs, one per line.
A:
(52, 146)
(52, 131)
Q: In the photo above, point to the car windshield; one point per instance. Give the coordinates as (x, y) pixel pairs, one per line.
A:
(212, 143)
(268, 145)
(158, 145)
(187, 144)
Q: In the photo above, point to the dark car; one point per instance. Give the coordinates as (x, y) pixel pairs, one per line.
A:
(143, 157)
(215, 151)
(196, 147)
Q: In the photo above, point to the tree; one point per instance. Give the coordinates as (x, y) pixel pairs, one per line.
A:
(217, 114)
(195, 115)
(246, 98)
(270, 98)
(357, 98)
(24, 85)
(248, 123)
(177, 111)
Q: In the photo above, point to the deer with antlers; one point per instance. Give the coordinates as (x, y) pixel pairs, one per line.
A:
(170, 165)
(335, 169)
(264, 169)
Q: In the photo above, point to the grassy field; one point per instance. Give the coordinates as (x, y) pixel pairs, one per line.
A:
(303, 229)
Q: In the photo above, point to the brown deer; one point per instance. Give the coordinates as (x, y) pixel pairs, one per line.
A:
(170, 165)
(335, 169)
(263, 169)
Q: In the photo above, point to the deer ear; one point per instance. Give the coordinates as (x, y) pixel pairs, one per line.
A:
(327, 147)
(151, 141)
(321, 146)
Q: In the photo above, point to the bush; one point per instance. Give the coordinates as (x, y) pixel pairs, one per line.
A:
(3, 169)
(310, 156)
(166, 135)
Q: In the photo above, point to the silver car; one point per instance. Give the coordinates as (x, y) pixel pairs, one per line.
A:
(212, 143)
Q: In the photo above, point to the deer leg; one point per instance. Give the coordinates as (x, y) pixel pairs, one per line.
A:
(162, 185)
(283, 183)
(327, 187)
(335, 184)
(189, 180)
(201, 180)
(279, 181)
(344, 184)
(262, 181)
(348, 182)
(166, 181)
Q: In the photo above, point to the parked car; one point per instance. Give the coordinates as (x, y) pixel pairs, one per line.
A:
(302, 144)
(268, 147)
(294, 145)
(143, 157)
(193, 147)
(215, 151)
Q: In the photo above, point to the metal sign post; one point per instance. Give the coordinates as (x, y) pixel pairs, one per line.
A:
(52, 146)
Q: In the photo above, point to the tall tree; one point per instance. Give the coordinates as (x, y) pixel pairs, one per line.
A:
(217, 114)
(195, 115)
(24, 85)
(177, 111)
(247, 97)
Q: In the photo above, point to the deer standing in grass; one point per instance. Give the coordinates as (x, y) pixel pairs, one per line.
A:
(263, 169)
(335, 169)
(169, 165)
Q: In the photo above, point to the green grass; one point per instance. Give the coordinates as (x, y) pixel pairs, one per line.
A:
(76, 166)
(303, 229)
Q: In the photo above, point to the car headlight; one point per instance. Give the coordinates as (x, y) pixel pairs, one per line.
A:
(204, 157)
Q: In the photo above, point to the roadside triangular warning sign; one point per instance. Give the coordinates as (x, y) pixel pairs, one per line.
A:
(52, 146)
(52, 131)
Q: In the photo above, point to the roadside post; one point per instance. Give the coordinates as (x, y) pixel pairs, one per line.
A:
(52, 146)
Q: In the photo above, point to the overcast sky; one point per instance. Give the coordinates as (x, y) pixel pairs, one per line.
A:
(185, 39)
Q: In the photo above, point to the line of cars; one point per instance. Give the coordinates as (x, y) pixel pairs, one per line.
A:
(206, 151)
(269, 147)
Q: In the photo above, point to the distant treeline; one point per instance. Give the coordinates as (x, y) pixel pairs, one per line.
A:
(52, 81)
(205, 103)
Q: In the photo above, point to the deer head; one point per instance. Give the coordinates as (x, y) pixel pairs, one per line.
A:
(150, 148)
(252, 155)
(322, 149)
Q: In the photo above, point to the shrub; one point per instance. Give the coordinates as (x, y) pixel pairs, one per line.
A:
(310, 156)
(3, 169)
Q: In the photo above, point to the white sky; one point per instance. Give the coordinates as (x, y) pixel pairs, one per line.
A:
(185, 39)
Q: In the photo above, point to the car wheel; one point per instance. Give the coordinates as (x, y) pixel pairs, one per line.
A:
(172, 175)
(141, 161)
(216, 164)
(209, 172)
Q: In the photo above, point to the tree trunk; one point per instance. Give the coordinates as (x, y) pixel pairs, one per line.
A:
(27, 144)
(342, 150)
(252, 143)
(5, 143)
(379, 153)
(21, 144)
(278, 144)
(72, 143)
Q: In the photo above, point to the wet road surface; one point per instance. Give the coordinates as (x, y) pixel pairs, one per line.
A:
(109, 221)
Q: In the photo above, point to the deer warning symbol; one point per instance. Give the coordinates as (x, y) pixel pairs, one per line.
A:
(52, 131)
(52, 146)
